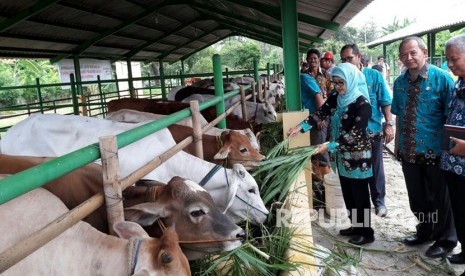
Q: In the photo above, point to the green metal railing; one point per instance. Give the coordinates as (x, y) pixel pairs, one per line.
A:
(64, 98)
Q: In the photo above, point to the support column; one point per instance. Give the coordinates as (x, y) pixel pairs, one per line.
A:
(130, 83)
(219, 91)
(162, 81)
(77, 74)
(183, 81)
(291, 59)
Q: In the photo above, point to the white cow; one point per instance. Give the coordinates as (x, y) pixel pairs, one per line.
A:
(274, 93)
(55, 135)
(134, 116)
(261, 113)
(83, 250)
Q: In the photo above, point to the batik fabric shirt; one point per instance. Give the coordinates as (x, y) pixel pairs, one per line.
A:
(421, 109)
(451, 162)
(348, 124)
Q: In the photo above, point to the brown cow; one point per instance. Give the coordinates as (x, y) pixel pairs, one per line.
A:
(81, 249)
(182, 203)
(226, 149)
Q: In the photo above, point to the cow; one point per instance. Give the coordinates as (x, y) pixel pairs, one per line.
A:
(135, 116)
(227, 148)
(181, 203)
(235, 191)
(82, 249)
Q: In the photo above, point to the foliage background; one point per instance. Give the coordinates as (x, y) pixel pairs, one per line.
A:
(237, 53)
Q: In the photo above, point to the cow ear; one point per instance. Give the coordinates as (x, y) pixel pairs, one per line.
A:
(128, 229)
(239, 170)
(134, 192)
(232, 193)
(145, 214)
(222, 154)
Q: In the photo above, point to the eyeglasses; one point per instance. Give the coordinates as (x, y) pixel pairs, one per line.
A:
(338, 83)
(347, 59)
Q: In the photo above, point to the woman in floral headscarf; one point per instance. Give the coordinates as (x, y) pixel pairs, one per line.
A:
(350, 109)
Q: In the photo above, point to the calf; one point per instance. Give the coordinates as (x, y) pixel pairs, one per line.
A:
(227, 149)
(83, 250)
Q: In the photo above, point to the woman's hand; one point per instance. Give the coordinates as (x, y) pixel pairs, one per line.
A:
(322, 148)
(293, 131)
(321, 125)
(459, 147)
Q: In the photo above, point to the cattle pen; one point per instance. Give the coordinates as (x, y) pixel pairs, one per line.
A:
(42, 174)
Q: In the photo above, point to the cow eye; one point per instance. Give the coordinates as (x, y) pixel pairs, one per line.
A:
(243, 150)
(197, 213)
(252, 191)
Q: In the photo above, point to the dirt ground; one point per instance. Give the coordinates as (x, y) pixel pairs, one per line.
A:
(387, 255)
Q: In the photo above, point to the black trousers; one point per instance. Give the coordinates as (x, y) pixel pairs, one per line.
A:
(357, 199)
(456, 184)
(318, 137)
(429, 201)
(378, 181)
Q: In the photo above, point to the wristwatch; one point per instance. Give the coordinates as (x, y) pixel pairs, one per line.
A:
(391, 122)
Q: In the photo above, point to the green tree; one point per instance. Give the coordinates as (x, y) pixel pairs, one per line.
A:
(396, 25)
(239, 55)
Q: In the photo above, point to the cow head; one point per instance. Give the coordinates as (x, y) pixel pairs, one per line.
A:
(190, 208)
(243, 201)
(237, 149)
(254, 141)
(265, 113)
(155, 256)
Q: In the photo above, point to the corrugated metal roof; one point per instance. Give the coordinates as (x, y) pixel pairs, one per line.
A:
(451, 21)
(144, 30)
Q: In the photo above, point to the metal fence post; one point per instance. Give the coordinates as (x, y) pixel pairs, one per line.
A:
(39, 96)
(74, 95)
(101, 95)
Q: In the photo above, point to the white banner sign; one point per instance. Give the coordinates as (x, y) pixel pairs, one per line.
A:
(90, 69)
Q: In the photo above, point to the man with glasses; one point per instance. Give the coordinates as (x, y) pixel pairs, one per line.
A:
(421, 96)
(380, 100)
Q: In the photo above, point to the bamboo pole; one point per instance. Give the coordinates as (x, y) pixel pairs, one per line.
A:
(254, 92)
(197, 129)
(245, 116)
(84, 109)
(24, 248)
(111, 185)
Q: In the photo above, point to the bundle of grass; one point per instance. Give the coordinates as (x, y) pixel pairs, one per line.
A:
(264, 251)
(280, 170)
(257, 256)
